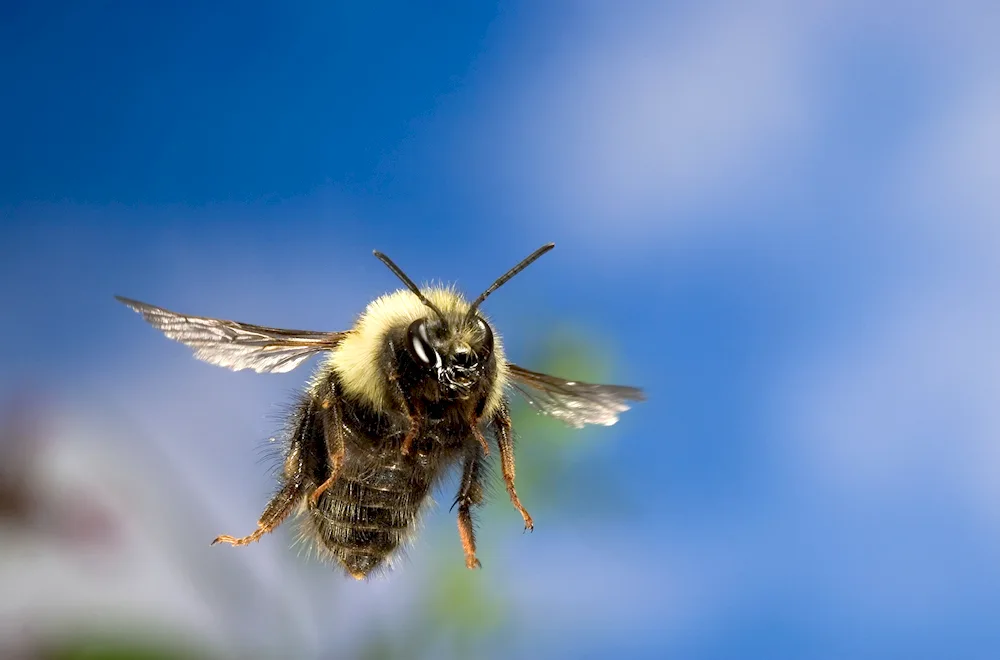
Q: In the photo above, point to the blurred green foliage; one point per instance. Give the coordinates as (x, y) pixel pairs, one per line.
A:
(141, 644)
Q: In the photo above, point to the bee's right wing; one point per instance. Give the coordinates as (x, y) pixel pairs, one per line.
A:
(573, 402)
(237, 345)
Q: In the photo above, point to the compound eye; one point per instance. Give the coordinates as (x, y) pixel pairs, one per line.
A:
(487, 341)
(419, 344)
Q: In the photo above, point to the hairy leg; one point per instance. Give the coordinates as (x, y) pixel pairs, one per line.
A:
(470, 493)
(294, 487)
(333, 435)
(505, 440)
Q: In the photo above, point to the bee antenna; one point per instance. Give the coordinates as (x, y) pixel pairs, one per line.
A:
(409, 284)
(503, 279)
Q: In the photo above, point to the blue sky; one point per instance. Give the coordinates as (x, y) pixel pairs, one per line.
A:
(779, 219)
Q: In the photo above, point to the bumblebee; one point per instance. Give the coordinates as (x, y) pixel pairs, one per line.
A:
(419, 385)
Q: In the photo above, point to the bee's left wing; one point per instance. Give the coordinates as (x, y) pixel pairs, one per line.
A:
(237, 345)
(573, 402)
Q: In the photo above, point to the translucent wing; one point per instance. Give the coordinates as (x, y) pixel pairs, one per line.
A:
(573, 402)
(238, 345)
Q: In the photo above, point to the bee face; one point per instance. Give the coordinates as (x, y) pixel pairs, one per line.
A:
(455, 354)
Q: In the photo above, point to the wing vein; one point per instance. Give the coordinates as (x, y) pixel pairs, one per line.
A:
(237, 345)
(573, 402)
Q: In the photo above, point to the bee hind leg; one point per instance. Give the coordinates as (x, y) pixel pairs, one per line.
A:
(303, 449)
(470, 493)
(274, 514)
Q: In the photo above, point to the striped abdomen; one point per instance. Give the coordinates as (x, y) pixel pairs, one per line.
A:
(368, 512)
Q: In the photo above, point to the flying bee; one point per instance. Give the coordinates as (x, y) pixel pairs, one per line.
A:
(417, 386)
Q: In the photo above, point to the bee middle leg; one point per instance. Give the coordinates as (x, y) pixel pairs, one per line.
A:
(333, 435)
(477, 432)
(470, 493)
(505, 441)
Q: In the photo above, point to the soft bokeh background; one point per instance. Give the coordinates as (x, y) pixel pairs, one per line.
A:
(782, 219)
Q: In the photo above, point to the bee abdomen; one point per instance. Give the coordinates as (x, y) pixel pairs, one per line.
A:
(367, 514)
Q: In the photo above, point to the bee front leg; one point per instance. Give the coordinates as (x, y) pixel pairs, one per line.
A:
(415, 428)
(505, 441)
(410, 405)
(470, 493)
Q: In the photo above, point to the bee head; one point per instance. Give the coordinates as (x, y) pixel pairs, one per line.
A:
(457, 354)
(454, 349)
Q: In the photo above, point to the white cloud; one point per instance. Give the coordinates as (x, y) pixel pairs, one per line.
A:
(641, 114)
(636, 122)
(905, 403)
(909, 404)
(946, 187)
(890, 439)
